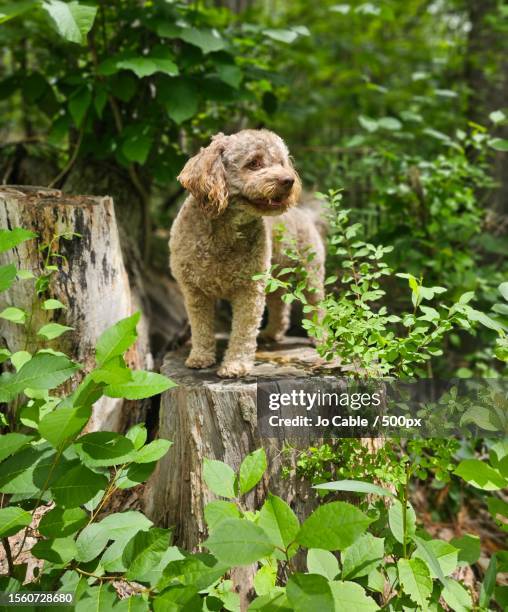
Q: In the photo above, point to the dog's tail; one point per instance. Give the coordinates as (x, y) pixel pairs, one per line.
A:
(315, 207)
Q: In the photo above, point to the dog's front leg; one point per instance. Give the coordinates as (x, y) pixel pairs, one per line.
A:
(201, 313)
(248, 306)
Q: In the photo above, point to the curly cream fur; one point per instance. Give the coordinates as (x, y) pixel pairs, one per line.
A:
(241, 186)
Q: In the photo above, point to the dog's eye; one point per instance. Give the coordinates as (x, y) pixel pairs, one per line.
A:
(255, 164)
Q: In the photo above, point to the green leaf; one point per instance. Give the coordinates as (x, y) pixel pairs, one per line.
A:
(99, 599)
(11, 238)
(14, 315)
(489, 583)
(445, 553)
(219, 477)
(390, 123)
(104, 448)
(280, 35)
(61, 522)
(137, 142)
(356, 486)
(309, 592)
(350, 597)
(77, 486)
(135, 474)
(207, 40)
(415, 579)
(119, 523)
(19, 359)
(180, 97)
(43, 371)
(117, 339)
(13, 9)
(396, 523)
(199, 570)
(7, 276)
(12, 520)
(137, 435)
(59, 550)
(480, 475)
(503, 290)
(426, 553)
(219, 510)
(239, 542)
(456, 596)
(275, 601)
(91, 542)
(499, 144)
(469, 548)
(279, 522)
(362, 557)
(72, 20)
(322, 562)
(10, 443)
(153, 451)
(144, 552)
(63, 424)
(50, 331)
(251, 470)
(52, 304)
(333, 526)
(79, 104)
(146, 65)
(143, 384)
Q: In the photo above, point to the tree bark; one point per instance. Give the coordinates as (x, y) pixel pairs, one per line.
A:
(91, 281)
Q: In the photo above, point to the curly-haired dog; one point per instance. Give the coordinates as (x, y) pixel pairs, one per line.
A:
(241, 186)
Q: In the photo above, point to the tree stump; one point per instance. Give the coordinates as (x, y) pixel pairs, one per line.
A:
(91, 281)
(209, 417)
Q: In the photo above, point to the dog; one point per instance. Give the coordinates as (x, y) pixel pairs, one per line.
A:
(241, 187)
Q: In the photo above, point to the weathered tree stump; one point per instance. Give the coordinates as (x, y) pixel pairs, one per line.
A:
(208, 417)
(91, 281)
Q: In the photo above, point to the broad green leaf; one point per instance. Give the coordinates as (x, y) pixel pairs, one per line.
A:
(137, 435)
(239, 542)
(219, 477)
(135, 474)
(7, 276)
(143, 384)
(207, 40)
(19, 359)
(77, 486)
(281, 35)
(456, 596)
(309, 592)
(390, 123)
(219, 510)
(59, 550)
(362, 557)
(322, 562)
(52, 304)
(333, 526)
(480, 475)
(14, 315)
(500, 144)
(72, 20)
(356, 486)
(445, 553)
(415, 578)
(153, 451)
(4, 354)
(265, 579)
(251, 470)
(396, 522)
(113, 372)
(469, 548)
(178, 597)
(351, 597)
(180, 97)
(27, 470)
(489, 583)
(146, 65)
(275, 601)
(43, 371)
(11, 443)
(199, 570)
(144, 552)
(117, 339)
(63, 424)
(137, 142)
(11, 238)
(14, 9)
(98, 599)
(503, 290)
(50, 331)
(134, 603)
(119, 523)
(91, 542)
(61, 522)
(279, 522)
(426, 553)
(104, 448)
(79, 104)
(12, 519)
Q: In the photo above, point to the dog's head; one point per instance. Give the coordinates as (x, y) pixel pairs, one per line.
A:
(251, 169)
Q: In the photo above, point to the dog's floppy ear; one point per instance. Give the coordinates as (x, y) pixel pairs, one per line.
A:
(205, 177)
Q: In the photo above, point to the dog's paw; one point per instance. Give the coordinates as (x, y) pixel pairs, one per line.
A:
(199, 362)
(266, 337)
(234, 369)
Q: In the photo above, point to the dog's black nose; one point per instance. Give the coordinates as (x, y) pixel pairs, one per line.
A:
(287, 181)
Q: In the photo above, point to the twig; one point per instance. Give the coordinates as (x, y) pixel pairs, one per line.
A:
(8, 554)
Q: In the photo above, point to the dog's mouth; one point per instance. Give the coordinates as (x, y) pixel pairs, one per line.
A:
(270, 204)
